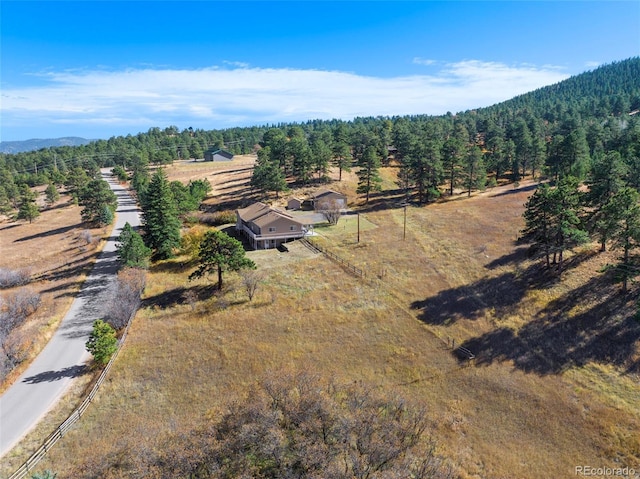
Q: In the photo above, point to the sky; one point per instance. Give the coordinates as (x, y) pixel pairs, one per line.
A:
(100, 69)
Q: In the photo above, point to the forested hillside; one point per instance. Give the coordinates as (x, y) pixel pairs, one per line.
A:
(557, 130)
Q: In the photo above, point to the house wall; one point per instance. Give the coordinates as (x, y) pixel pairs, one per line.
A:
(282, 227)
(294, 204)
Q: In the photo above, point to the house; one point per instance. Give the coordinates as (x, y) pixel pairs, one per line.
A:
(217, 154)
(294, 203)
(267, 227)
(329, 200)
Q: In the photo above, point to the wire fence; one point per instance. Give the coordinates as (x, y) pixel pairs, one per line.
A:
(342, 262)
(74, 417)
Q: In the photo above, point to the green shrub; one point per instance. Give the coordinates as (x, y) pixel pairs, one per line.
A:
(102, 342)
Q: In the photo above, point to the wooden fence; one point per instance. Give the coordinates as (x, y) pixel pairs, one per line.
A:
(342, 262)
(74, 417)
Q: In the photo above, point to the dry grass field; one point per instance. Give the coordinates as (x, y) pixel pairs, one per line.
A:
(58, 250)
(555, 380)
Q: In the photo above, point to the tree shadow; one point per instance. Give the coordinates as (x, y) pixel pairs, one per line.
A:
(68, 271)
(50, 376)
(501, 294)
(232, 201)
(45, 234)
(176, 296)
(383, 200)
(557, 339)
(515, 257)
(516, 190)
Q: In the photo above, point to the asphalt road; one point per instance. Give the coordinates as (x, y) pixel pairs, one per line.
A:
(64, 357)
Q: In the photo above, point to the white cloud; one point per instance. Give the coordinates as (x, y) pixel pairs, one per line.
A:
(217, 97)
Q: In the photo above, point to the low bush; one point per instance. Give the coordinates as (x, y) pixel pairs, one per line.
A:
(219, 218)
(10, 278)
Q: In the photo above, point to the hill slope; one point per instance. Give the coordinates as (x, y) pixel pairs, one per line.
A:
(37, 144)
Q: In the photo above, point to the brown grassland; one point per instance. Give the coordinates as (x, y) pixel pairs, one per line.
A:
(554, 383)
(58, 250)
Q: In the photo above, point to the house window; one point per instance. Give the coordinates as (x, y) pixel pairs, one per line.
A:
(292, 228)
(272, 229)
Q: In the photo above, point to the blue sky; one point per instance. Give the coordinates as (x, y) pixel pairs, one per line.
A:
(98, 69)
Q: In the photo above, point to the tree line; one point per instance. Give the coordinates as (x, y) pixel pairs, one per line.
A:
(556, 130)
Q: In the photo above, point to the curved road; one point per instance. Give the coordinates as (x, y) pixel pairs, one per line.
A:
(64, 357)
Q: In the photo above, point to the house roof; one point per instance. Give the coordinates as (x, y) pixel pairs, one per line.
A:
(323, 193)
(220, 151)
(262, 214)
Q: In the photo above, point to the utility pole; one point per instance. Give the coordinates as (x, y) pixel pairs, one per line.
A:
(404, 205)
(404, 230)
(358, 227)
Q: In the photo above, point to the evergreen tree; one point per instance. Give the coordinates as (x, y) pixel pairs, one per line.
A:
(605, 180)
(475, 174)
(102, 342)
(160, 217)
(267, 174)
(341, 151)
(77, 180)
(220, 252)
(94, 198)
(185, 203)
(28, 209)
(538, 217)
(321, 155)
(624, 212)
(132, 252)
(552, 220)
(425, 169)
(368, 176)
(453, 153)
(199, 189)
(568, 229)
(301, 158)
(51, 194)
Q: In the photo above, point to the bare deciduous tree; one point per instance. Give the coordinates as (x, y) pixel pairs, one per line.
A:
(332, 211)
(14, 310)
(126, 296)
(251, 279)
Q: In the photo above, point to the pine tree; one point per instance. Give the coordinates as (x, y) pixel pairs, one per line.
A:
(475, 174)
(102, 342)
(453, 153)
(267, 173)
(624, 213)
(368, 176)
(160, 217)
(538, 216)
(605, 180)
(51, 194)
(28, 209)
(98, 202)
(341, 151)
(132, 252)
(220, 252)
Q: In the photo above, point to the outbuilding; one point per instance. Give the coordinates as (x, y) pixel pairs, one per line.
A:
(329, 200)
(217, 154)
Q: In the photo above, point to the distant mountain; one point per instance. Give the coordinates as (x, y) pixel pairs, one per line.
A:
(36, 144)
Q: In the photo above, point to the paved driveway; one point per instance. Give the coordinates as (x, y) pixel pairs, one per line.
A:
(64, 357)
